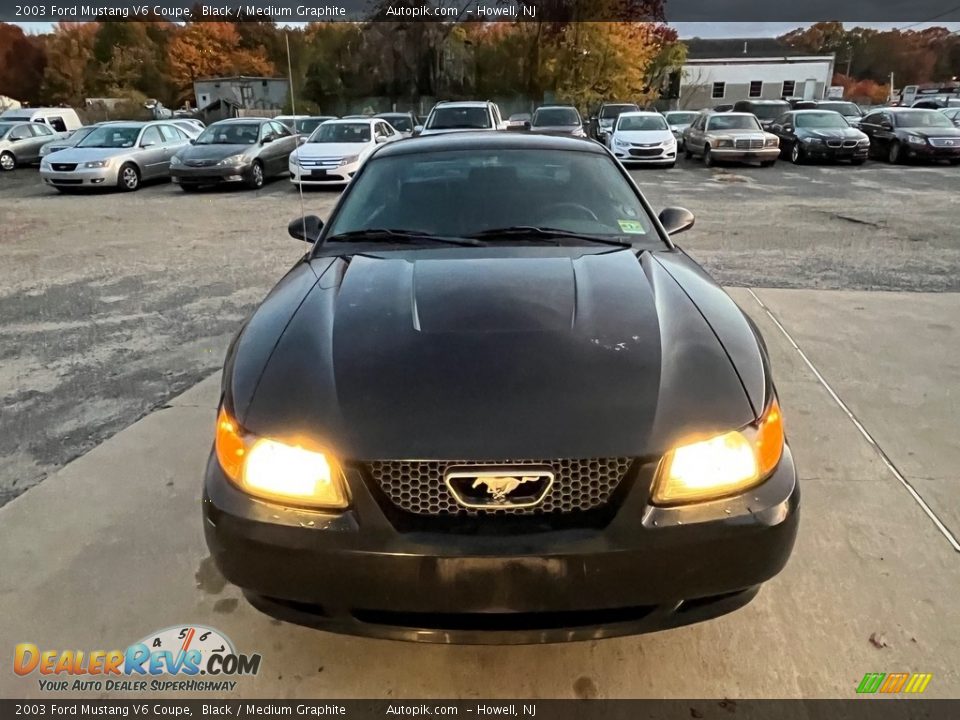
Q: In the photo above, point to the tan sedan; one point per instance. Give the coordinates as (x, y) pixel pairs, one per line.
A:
(731, 137)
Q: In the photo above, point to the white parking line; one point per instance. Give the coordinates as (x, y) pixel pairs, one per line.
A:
(944, 530)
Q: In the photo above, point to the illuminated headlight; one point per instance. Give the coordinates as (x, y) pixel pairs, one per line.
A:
(771, 142)
(232, 160)
(722, 143)
(349, 159)
(97, 164)
(916, 140)
(175, 161)
(293, 471)
(722, 465)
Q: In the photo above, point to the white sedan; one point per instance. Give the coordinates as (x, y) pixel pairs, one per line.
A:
(337, 149)
(643, 138)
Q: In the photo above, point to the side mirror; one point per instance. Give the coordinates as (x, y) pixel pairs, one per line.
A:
(417, 129)
(267, 139)
(788, 128)
(676, 219)
(193, 141)
(148, 143)
(306, 228)
(380, 139)
(886, 126)
(527, 125)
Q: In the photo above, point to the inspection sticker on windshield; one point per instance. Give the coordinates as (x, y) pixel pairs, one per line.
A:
(632, 226)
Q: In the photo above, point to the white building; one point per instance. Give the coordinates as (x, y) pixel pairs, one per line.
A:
(720, 72)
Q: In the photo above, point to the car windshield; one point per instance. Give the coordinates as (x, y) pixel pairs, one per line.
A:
(683, 118)
(399, 122)
(438, 193)
(642, 122)
(552, 117)
(820, 120)
(305, 126)
(769, 111)
(5, 128)
(609, 112)
(733, 122)
(844, 108)
(111, 136)
(358, 132)
(458, 118)
(921, 119)
(230, 134)
(80, 133)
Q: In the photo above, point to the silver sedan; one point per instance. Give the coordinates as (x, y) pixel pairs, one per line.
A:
(120, 155)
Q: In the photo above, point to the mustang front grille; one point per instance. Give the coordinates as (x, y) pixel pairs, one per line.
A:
(418, 486)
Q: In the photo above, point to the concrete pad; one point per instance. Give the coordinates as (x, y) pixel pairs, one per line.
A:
(205, 394)
(110, 549)
(894, 359)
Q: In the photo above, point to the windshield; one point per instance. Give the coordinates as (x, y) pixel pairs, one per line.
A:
(844, 108)
(769, 111)
(921, 119)
(642, 122)
(547, 117)
(608, 112)
(681, 118)
(824, 120)
(230, 134)
(438, 193)
(341, 133)
(399, 122)
(111, 136)
(453, 118)
(733, 122)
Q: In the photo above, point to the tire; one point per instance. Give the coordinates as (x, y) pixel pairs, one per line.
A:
(895, 154)
(128, 178)
(796, 154)
(255, 181)
(7, 161)
(708, 157)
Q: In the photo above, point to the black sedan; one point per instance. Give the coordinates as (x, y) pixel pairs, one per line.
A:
(494, 403)
(819, 135)
(900, 134)
(247, 150)
(557, 120)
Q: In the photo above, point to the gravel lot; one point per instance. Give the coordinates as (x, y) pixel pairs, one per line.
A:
(112, 303)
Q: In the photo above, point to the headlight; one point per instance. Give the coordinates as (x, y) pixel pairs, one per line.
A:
(721, 143)
(96, 164)
(620, 143)
(293, 471)
(349, 159)
(916, 140)
(812, 141)
(233, 160)
(294, 160)
(175, 161)
(722, 465)
(864, 143)
(771, 142)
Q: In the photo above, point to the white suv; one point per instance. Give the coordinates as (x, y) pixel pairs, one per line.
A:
(467, 116)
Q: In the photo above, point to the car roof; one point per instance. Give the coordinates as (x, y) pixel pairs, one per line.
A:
(731, 114)
(811, 111)
(461, 103)
(393, 114)
(238, 121)
(759, 101)
(488, 141)
(350, 120)
(640, 113)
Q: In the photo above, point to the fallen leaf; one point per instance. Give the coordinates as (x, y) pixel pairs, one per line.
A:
(878, 641)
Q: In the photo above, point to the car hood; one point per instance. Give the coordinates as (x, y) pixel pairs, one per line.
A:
(929, 132)
(82, 154)
(831, 133)
(212, 151)
(325, 150)
(644, 136)
(604, 355)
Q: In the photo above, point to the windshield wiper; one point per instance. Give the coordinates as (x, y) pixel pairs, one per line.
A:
(547, 234)
(399, 236)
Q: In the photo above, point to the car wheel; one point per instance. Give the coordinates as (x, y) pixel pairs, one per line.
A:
(7, 161)
(256, 176)
(128, 179)
(894, 154)
(796, 154)
(708, 157)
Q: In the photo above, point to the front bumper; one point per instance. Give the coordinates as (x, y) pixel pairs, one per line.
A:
(825, 152)
(932, 152)
(80, 177)
(339, 175)
(645, 569)
(737, 155)
(210, 175)
(665, 156)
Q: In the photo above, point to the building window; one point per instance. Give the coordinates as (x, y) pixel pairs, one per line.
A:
(789, 87)
(756, 88)
(719, 90)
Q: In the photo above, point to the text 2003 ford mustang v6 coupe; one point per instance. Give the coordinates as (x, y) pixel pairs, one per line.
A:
(495, 403)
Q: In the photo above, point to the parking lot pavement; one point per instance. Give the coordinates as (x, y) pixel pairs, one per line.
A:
(871, 586)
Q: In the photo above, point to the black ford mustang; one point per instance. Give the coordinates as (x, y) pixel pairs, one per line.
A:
(495, 403)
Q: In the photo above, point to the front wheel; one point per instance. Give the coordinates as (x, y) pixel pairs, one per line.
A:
(255, 180)
(7, 161)
(708, 157)
(894, 154)
(796, 154)
(128, 179)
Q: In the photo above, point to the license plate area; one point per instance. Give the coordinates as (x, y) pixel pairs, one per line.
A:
(318, 173)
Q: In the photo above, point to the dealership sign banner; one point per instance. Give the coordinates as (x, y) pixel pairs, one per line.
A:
(478, 10)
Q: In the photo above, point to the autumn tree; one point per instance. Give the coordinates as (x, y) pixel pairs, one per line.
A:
(71, 68)
(22, 62)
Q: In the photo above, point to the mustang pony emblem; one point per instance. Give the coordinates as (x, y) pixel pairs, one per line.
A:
(500, 487)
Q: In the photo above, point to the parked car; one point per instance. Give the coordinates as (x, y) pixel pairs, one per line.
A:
(336, 150)
(191, 128)
(57, 119)
(557, 120)
(20, 142)
(290, 121)
(643, 138)
(723, 108)
(819, 135)
(304, 127)
(243, 150)
(116, 154)
(357, 481)
(679, 120)
(463, 117)
(937, 103)
(602, 121)
(899, 134)
(518, 121)
(766, 111)
(730, 136)
(402, 122)
(952, 114)
(851, 111)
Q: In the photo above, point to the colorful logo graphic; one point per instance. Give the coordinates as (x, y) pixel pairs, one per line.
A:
(183, 650)
(892, 683)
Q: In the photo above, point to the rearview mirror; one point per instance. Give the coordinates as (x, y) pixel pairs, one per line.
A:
(305, 228)
(676, 219)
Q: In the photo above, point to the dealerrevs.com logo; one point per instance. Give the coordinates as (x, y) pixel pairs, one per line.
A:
(180, 658)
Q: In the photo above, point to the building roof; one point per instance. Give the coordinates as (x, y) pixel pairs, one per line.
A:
(723, 48)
